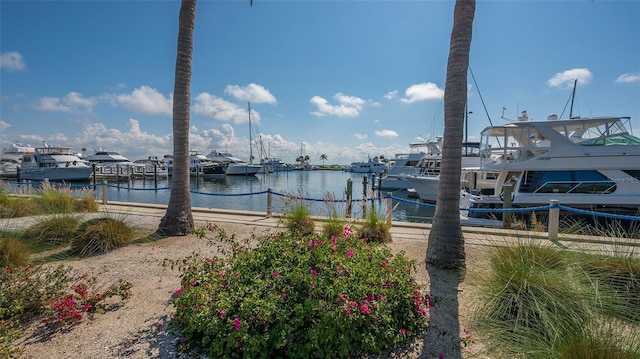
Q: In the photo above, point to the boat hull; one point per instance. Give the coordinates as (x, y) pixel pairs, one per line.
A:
(70, 174)
(238, 169)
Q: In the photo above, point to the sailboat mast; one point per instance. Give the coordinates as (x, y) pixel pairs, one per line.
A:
(573, 96)
(250, 137)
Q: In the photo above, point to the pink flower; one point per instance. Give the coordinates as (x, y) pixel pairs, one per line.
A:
(384, 263)
(222, 312)
(350, 254)
(192, 282)
(364, 309)
(347, 231)
(403, 331)
(275, 274)
(314, 272)
(346, 309)
(340, 268)
(179, 291)
(236, 323)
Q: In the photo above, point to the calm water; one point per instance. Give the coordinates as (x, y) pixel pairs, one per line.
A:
(230, 193)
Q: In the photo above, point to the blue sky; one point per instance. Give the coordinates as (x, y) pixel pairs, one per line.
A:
(349, 79)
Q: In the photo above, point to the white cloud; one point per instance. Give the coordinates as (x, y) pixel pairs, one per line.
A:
(12, 61)
(73, 102)
(386, 133)
(4, 125)
(423, 92)
(391, 95)
(566, 78)
(348, 106)
(251, 93)
(360, 136)
(626, 78)
(145, 100)
(219, 109)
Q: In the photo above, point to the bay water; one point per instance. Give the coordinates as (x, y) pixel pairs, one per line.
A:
(249, 193)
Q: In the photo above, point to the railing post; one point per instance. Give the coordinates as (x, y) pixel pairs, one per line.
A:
(554, 219)
(365, 180)
(506, 204)
(389, 207)
(349, 193)
(269, 203)
(104, 192)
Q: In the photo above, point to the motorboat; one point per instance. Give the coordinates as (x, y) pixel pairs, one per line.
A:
(425, 181)
(235, 166)
(375, 165)
(150, 167)
(55, 164)
(273, 164)
(585, 163)
(200, 165)
(405, 164)
(11, 157)
(110, 164)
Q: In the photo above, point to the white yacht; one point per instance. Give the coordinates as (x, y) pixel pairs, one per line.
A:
(11, 157)
(586, 163)
(405, 164)
(235, 166)
(54, 164)
(274, 164)
(107, 157)
(150, 167)
(199, 165)
(374, 165)
(426, 179)
(110, 164)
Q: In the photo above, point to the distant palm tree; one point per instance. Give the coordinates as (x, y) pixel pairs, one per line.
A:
(323, 157)
(307, 158)
(446, 241)
(178, 220)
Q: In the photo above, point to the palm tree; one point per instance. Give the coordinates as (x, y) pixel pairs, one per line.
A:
(446, 242)
(323, 157)
(178, 220)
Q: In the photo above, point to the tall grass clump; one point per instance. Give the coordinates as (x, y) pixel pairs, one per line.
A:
(297, 214)
(11, 206)
(52, 199)
(13, 252)
(541, 302)
(335, 223)
(51, 232)
(374, 227)
(298, 297)
(101, 235)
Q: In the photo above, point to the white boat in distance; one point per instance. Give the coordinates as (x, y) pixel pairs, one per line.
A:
(374, 165)
(150, 167)
(586, 163)
(199, 165)
(107, 157)
(11, 157)
(235, 166)
(55, 164)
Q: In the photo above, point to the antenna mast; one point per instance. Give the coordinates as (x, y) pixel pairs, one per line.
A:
(250, 137)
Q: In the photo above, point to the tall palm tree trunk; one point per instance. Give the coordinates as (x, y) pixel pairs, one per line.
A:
(446, 242)
(178, 220)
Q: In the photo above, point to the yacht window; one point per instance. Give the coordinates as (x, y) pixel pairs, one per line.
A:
(633, 173)
(570, 182)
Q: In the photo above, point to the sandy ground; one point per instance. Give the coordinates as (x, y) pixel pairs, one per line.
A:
(138, 328)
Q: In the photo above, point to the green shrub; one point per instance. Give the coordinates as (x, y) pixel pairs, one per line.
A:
(299, 297)
(101, 235)
(13, 252)
(335, 223)
(51, 232)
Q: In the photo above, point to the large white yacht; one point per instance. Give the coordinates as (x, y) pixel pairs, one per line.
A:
(406, 164)
(55, 164)
(374, 165)
(586, 163)
(425, 181)
(235, 166)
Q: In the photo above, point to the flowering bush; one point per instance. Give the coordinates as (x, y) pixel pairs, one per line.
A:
(310, 296)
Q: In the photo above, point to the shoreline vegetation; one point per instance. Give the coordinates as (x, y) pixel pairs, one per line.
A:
(69, 271)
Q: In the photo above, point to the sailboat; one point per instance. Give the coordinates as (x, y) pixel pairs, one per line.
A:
(236, 166)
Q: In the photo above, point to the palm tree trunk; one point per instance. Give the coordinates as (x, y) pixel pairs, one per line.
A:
(446, 241)
(178, 219)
